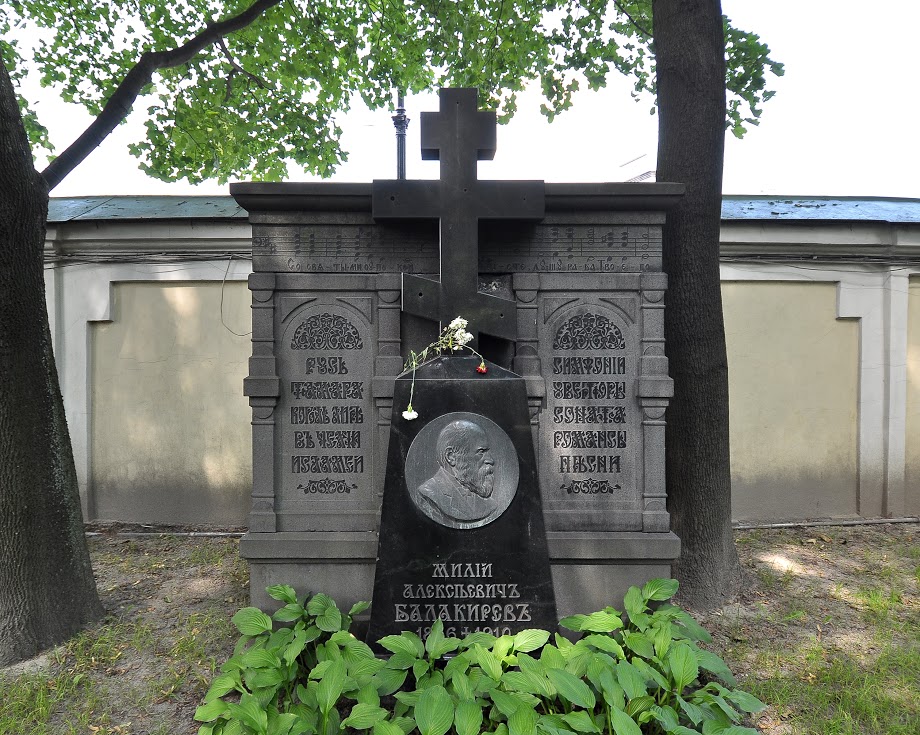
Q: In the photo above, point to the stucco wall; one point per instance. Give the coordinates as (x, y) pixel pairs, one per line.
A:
(170, 433)
(912, 439)
(793, 380)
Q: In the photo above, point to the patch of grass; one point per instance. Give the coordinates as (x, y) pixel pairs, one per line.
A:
(838, 694)
(878, 602)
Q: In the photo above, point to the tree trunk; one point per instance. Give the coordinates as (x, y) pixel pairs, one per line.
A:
(690, 59)
(47, 591)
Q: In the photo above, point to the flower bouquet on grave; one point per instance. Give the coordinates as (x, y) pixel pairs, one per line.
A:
(453, 338)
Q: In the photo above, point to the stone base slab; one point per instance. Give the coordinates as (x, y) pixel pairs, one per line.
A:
(590, 569)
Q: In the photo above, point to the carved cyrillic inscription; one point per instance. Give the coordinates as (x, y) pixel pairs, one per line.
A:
(587, 436)
(473, 598)
(327, 370)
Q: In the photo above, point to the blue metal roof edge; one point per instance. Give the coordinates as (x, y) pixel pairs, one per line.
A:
(734, 208)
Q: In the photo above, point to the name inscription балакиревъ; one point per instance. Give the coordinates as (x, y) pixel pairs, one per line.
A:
(463, 605)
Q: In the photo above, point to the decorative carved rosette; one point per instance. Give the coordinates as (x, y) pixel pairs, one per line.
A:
(326, 332)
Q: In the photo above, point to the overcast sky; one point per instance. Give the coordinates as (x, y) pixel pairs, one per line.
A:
(844, 121)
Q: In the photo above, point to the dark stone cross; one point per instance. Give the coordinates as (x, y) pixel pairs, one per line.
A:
(458, 135)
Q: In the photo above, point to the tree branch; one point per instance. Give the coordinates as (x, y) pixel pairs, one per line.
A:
(632, 20)
(122, 99)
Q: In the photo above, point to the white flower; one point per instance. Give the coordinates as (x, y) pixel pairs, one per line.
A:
(463, 337)
(409, 414)
(458, 323)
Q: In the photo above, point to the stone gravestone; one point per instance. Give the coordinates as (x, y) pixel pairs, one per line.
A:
(461, 531)
(569, 295)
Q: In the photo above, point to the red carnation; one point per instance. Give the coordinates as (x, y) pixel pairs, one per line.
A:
(482, 368)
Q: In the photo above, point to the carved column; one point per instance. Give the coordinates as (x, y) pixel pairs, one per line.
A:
(263, 388)
(655, 388)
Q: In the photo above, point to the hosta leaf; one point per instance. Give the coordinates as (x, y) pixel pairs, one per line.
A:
(691, 710)
(683, 665)
(358, 608)
(210, 711)
(605, 643)
(461, 684)
(388, 681)
(295, 647)
(435, 638)
(622, 723)
(661, 638)
(747, 702)
(711, 662)
(364, 716)
(282, 592)
(574, 622)
(571, 688)
(581, 721)
(666, 716)
(406, 724)
(530, 640)
(551, 658)
(434, 712)
(602, 622)
(631, 680)
(660, 589)
(633, 602)
(252, 621)
(386, 728)
(288, 613)
(331, 686)
(523, 722)
(639, 643)
(506, 703)
(489, 662)
(650, 672)
(639, 705)
(222, 684)
(468, 718)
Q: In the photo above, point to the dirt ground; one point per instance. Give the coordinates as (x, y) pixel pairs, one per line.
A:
(808, 592)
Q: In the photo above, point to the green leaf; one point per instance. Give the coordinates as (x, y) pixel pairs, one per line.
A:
(407, 643)
(506, 703)
(364, 716)
(661, 638)
(252, 621)
(581, 721)
(282, 592)
(530, 639)
(622, 723)
(573, 622)
(222, 684)
(250, 713)
(358, 608)
(639, 705)
(435, 638)
(634, 602)
(691, 710)
(571, 688)
(659, 589)
(389, 681)
(602, 622)
(713, 663)
(434, 712)
(747, 702)
(666, 716)
(489, 662)
(523, 722)
(631, 680)
(210, 711)
(331, 686)
(386, 728)
(420, 668)
(468, 718)
(605, 643)
(639, 643)
(682, 663)
(328, 615)
(289, 613)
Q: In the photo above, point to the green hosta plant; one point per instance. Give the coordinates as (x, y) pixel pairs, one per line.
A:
(627, 674)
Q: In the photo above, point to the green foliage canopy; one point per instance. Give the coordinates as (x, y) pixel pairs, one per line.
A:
(250, 100)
